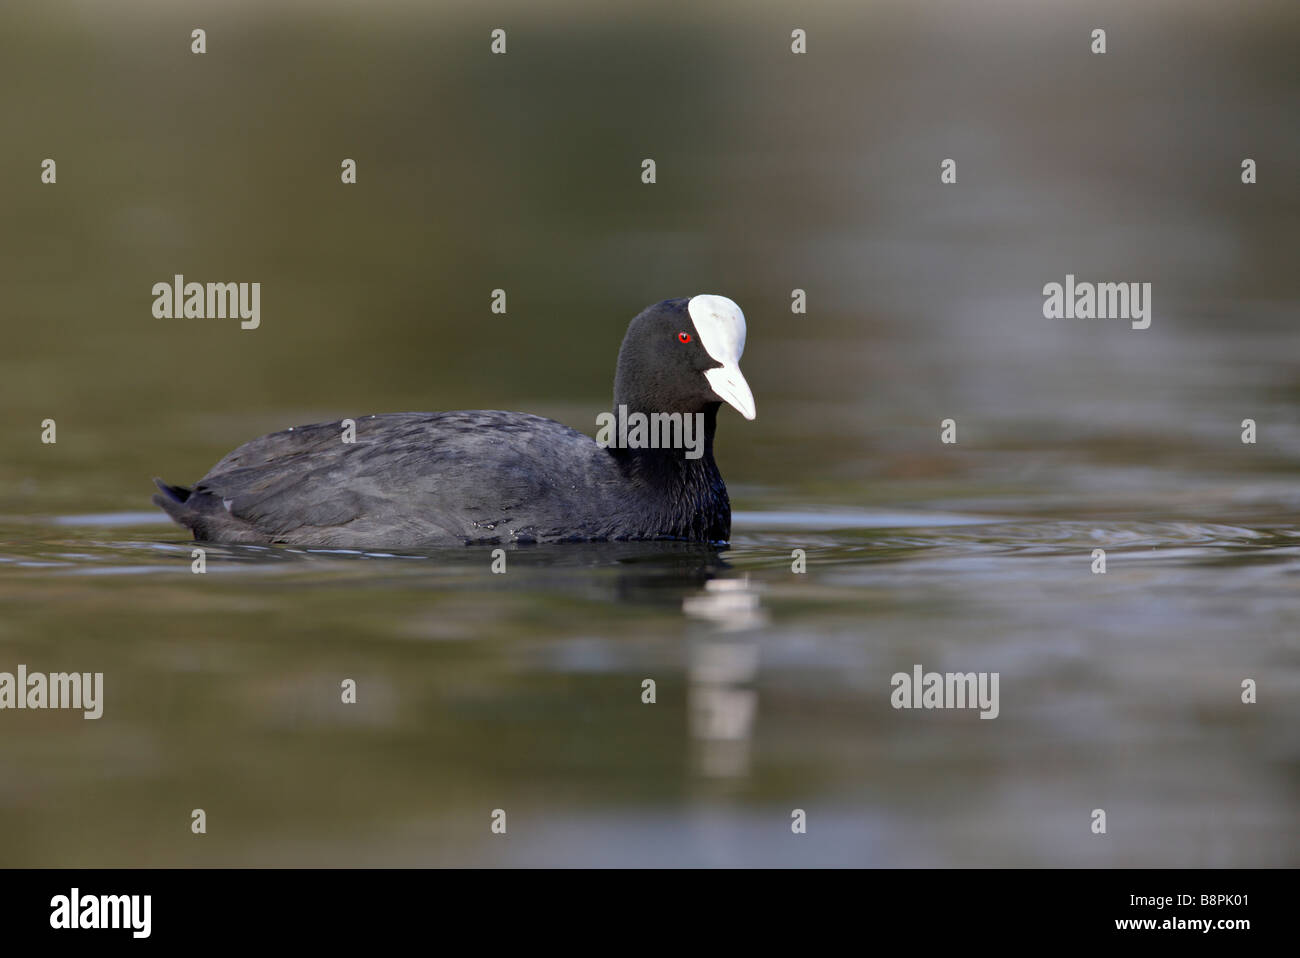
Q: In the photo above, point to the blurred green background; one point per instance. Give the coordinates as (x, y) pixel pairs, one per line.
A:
(775, 172)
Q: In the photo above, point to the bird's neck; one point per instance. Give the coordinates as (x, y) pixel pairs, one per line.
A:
(687, 489)
(672, 441)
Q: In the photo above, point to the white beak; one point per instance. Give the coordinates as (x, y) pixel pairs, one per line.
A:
(732, 389)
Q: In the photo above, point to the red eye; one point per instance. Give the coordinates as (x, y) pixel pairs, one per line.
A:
(683, 337)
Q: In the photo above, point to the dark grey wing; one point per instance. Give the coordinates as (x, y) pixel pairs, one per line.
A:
(412, 479)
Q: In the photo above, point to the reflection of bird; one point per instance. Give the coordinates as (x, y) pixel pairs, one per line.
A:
(722, 706)
(429, 479)
(730, 604)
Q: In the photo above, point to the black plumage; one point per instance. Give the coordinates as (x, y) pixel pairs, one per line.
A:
(414, 480)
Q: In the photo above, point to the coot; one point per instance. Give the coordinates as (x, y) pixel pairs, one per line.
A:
(413, 480)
